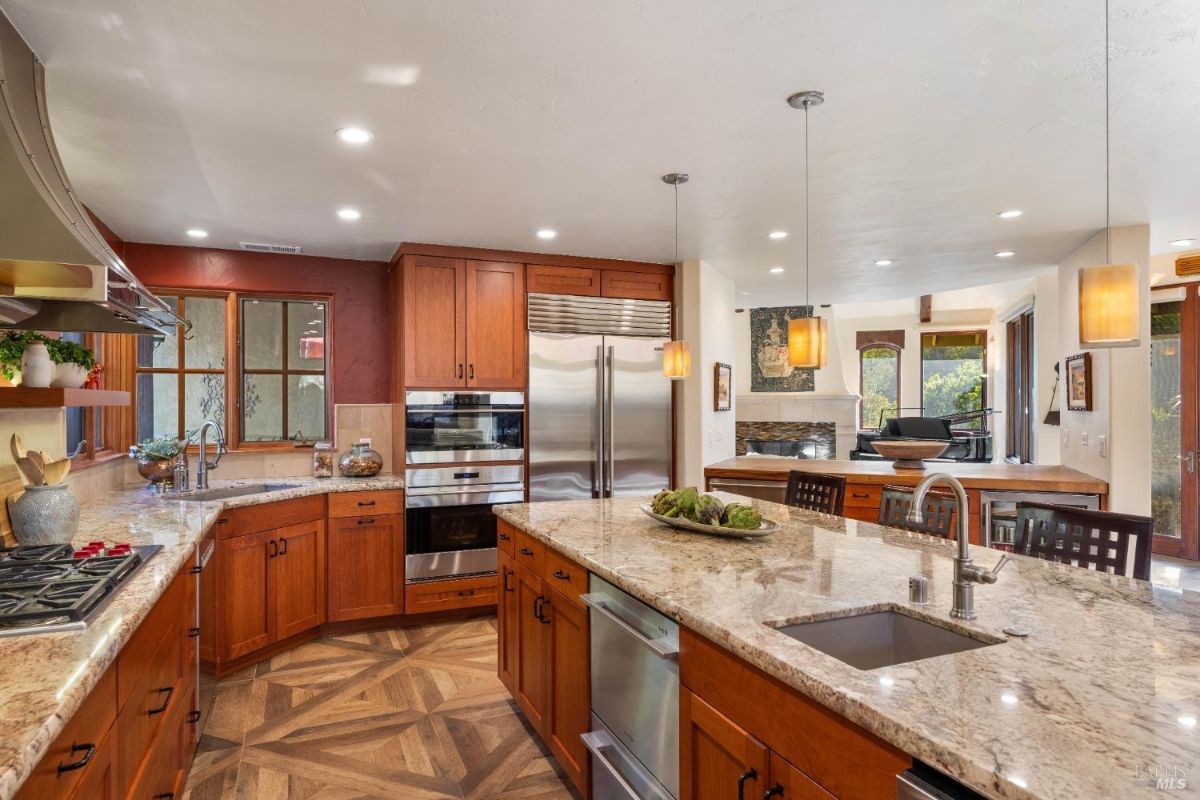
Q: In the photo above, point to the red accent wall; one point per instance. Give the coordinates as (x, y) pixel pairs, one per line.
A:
(361, 359)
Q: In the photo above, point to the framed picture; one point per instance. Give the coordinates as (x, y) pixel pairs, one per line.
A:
(1079, 382)
(722, 387)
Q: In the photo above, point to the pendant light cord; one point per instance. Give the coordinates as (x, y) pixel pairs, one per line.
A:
(676, 223)
(806, 225)
(1107, 145)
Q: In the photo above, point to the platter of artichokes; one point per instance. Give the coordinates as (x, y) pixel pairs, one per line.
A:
(689, 510)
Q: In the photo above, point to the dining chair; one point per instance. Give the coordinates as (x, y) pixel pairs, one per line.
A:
(937, 517)
(816, 492)
(1080, 537)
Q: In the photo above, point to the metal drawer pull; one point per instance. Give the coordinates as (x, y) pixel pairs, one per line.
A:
(562, 576)
(283, 550)
(860, 495)
(663, 650)
(525, 551)
(274, 549)
(366, 503)
(89, 750)
(170, 692)
(193, 633)
(777, 789)
(165, 796)
(193, 717)
(504, 537)
(507, 575)
(466, 593)
(366, 520)
(748, 775)
(600, 745)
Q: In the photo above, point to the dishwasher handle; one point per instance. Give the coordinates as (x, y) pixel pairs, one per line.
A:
(663, 649)
(603, 746)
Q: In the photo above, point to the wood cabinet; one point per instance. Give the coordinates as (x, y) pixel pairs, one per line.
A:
(636, 285)
(244, 596)
(718, 759)
(545, 279)
(788, 783)
(99, 782)
(449, 595)
(299, 594)
(543, 656)
(652, 284)
(366, 566)
(464, 323)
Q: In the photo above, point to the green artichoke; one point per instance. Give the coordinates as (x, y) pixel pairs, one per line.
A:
(685, 502)
(741, 517)
(709, 510)
(663, 502)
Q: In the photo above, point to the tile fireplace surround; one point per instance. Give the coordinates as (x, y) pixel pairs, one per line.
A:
(831, 420)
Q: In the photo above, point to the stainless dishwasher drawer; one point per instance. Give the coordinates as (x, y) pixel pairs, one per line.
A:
(774, 491)
(616, 775)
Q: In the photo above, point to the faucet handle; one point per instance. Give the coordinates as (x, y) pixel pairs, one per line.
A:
(994, 573)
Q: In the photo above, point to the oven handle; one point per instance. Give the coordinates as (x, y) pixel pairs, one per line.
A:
(465, 497)
(599, 604)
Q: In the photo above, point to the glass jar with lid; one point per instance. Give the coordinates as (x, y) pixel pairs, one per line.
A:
(322, 460)
(361, 461)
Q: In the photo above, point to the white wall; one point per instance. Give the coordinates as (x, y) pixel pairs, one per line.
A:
(707, 322)
(1120, 381)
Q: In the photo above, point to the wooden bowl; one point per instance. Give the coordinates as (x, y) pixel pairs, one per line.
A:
(909, 453)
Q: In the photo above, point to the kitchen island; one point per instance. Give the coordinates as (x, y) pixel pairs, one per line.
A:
(766, 477)
(1098, 701)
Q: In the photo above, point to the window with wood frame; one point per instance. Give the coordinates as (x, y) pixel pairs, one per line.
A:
(954, 374)
(263, 356)
(1019, 389)
(879, 383)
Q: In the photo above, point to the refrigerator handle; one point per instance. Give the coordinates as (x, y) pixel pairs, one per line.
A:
(610, 423)
(598, 467)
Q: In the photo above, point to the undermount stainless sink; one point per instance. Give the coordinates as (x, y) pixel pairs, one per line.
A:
(231, 491)
(881, 639)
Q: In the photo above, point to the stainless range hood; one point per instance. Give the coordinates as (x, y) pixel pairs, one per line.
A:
(56, 271)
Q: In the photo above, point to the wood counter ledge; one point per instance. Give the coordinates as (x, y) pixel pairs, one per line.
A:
(1009, 477)
(48, 676)
(1098, 700)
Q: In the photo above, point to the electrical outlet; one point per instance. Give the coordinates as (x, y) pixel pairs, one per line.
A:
(1083, 438)
(1102, 443)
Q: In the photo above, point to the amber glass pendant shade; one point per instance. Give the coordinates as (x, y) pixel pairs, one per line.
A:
(1109, 311)
(677, 360)
(807, 342)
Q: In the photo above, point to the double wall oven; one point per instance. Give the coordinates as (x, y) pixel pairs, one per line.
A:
(460, 449)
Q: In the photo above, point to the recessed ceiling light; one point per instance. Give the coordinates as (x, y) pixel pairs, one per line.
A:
(1005, 253)
(355, 135)
(1012, 213)
(775, 270)
(1182, 242)
(883, 262)
(197, 233)
(547, 234)
(349, 213)
(777, 235)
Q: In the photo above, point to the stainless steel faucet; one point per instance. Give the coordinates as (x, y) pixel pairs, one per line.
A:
(203, 466)
(966, 574)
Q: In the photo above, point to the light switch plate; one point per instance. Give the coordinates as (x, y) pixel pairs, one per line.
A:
(1083, 438)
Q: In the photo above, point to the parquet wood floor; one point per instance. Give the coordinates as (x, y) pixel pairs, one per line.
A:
(412, 713)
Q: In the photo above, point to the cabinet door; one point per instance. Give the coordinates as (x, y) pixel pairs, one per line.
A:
(789, 783)
(496, 348)
(246, 619)
(533, 633)
(636, 285)
(718, 760)
(568, 713)
(300, 578)
(434, 322)
(99, 781)
(507, 610)
(366, 567)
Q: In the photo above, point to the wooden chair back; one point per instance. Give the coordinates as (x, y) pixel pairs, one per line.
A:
(816, 492)
(937, 517)
(1100, 540)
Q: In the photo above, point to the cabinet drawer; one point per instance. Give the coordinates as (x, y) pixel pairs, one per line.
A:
(565, 576)
(446, 595)
(505, 537)
(863, 495)
(635, 285)
(358, 504)
(165, 620)
(157, 697)
(564, 280)
(253, 519)
(86, 729)
(861, 514)
(530, 552)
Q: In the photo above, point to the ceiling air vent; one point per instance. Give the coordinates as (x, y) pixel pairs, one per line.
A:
(259, 247)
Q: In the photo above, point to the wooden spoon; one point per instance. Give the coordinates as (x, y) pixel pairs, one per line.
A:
(56, 471)
(38, 459)
(14, 444)
(33, 476)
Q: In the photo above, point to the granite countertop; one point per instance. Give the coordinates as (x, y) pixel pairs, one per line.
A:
(1016, 477)
(47, 676)
(1100, 700)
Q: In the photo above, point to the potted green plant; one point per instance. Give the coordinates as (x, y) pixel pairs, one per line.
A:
(156, 457)
(12, 348)
(72, 363)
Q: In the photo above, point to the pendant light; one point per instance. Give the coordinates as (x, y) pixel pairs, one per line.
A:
(808, 336)
(1109, 297)
(677, 356)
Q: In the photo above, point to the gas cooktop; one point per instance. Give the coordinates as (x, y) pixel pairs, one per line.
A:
(50, 588)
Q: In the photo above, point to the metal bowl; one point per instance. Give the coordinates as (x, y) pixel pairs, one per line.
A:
(156, 470)
(909, 453)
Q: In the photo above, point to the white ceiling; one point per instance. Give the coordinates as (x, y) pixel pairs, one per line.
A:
(493, 119)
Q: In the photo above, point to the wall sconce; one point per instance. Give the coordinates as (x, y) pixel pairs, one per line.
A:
(1109, 310)
(677, 360)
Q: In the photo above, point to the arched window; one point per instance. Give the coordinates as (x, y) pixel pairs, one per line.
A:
(879, 383)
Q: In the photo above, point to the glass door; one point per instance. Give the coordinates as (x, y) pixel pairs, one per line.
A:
(1173, 420)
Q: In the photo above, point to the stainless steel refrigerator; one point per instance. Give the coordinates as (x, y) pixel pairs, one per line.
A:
(599, 406)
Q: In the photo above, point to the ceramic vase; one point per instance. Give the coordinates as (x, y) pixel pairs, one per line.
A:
(45, 515)
(37, 370)
(69, 375)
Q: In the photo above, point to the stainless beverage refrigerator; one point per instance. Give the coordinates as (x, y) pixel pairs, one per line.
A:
(600, 421)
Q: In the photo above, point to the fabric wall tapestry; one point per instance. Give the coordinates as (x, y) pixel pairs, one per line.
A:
(769, 370)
